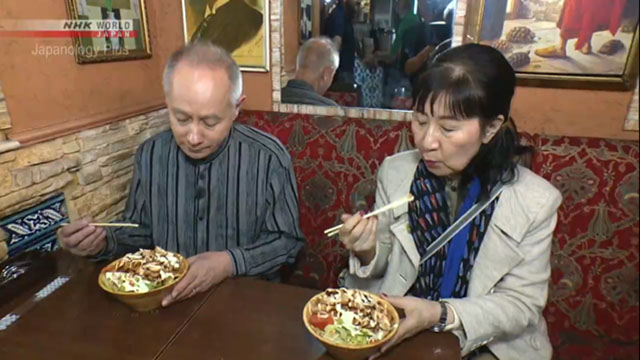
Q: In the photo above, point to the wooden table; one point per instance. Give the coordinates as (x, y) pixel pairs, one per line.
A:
(80, 321)
(249, 319)
(242, 319)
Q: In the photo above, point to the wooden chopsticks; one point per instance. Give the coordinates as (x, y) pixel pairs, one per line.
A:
(334, 230)
(109, 225)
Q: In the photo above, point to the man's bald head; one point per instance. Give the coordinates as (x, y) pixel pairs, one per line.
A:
(318, 60)
(318, 53)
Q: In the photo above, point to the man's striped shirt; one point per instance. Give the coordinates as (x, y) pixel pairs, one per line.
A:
(242, 199)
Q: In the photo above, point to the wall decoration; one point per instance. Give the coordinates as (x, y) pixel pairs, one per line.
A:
(561, 43)
(239, 26)
(105, 48)
(35, 227)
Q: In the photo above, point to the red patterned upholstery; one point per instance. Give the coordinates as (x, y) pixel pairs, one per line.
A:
(344, 98)
(592, 311)
(335, 161)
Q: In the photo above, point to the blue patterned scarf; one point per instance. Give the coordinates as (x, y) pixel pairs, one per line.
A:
(446, 274)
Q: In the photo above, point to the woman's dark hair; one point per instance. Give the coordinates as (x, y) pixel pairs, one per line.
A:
(477, 81)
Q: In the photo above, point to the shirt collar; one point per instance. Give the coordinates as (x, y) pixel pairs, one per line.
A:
(221, 149)
(300, 84)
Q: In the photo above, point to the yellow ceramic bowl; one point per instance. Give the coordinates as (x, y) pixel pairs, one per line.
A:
(143, 301)
(352, 352)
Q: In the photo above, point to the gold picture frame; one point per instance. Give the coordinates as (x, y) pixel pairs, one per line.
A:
(632, 123)
(537, 71)
(239, 26)
(98, 50)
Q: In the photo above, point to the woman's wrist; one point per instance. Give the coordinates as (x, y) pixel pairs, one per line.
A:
(431, 314)
(365, 257)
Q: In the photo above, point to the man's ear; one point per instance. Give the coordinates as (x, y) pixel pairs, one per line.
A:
(327, 74)
(238, 105)
(492, 129)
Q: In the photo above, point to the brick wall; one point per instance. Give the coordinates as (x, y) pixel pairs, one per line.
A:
(92, 167)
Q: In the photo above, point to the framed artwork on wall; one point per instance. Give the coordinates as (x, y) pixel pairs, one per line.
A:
(239, 26)
(561, 43)
(111, 45)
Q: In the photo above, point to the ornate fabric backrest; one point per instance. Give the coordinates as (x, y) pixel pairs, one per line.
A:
(344, 98)
(335, 161)
(593, 301)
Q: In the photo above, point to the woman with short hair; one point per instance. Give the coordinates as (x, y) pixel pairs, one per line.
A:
(488, 283)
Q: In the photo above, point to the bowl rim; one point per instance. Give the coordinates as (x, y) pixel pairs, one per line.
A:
(385, 339)
(183, 261)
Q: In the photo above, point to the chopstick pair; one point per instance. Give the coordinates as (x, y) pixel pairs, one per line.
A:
(109, 225)
(336, 229)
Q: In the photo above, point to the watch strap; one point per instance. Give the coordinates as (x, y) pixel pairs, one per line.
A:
(442, 322)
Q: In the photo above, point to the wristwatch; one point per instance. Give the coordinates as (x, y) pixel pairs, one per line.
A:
(442, 322)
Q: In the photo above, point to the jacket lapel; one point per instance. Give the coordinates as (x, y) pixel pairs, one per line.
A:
(402, 232)
(400, 226)
(499, 252)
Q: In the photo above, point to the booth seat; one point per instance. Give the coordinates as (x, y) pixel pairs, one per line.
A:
(592, 310)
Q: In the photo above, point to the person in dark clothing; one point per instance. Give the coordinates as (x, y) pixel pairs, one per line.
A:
(428, 35)
(317, 62)
(339, 28)
(219, 193)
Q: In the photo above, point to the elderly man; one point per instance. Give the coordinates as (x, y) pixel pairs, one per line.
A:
(318, 59)
(219, 193)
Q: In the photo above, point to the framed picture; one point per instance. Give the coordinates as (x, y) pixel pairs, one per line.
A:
(239, 26)
(111, 45)
(561, 43)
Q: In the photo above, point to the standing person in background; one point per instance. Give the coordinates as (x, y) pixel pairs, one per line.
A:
(404, 33)
(339, 28)
(428, 36)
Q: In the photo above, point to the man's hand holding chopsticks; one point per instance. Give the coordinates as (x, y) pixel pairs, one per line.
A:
(81, 238)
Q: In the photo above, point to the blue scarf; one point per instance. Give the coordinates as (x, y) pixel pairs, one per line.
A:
(446, 274)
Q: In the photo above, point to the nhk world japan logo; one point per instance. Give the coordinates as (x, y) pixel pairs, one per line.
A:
(67, 28)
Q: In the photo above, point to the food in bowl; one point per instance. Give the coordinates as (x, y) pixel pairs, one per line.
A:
(350, 317)
(144, 270)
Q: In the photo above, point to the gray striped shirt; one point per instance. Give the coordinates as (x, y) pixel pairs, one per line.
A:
(242, 199)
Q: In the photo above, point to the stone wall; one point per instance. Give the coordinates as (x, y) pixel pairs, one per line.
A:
(92, 167)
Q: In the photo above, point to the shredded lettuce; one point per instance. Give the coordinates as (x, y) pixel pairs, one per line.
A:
(130, 283)
(344, 332)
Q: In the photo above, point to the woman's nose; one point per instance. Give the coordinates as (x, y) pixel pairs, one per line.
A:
(430, 139)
